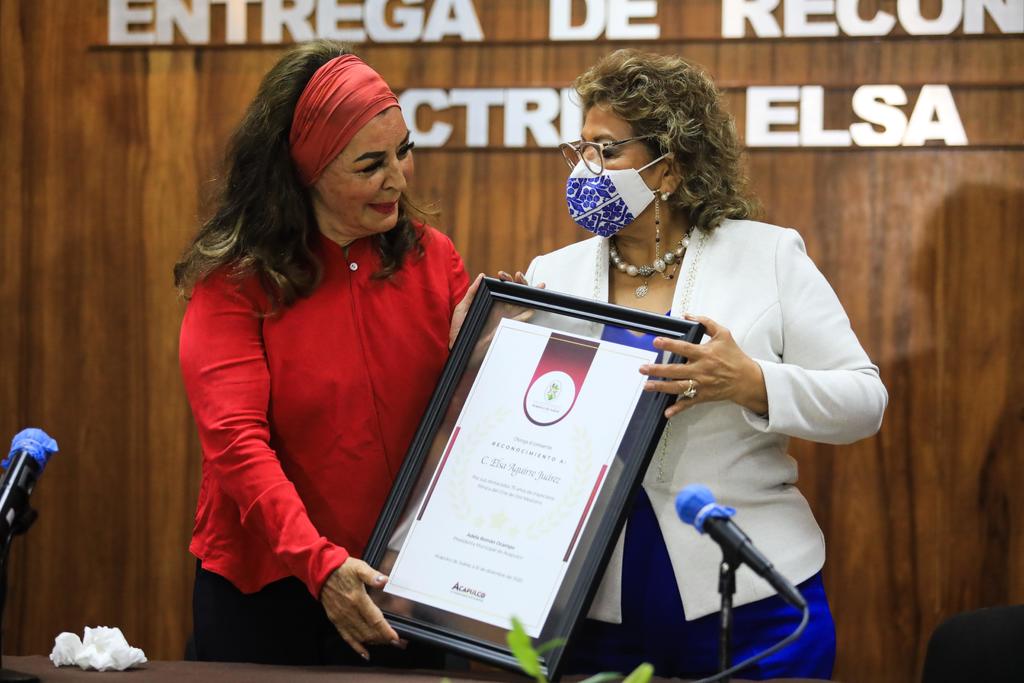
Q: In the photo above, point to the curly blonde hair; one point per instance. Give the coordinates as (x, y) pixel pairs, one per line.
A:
(677, 104)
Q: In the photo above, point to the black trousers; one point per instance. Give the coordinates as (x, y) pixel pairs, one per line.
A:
(282, 624)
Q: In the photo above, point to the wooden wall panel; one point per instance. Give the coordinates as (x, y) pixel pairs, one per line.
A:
(107, 157)
(996, 61)
(13, 243)
(918, 521)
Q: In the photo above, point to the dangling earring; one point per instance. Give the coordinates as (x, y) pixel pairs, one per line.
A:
(664, 196)
(666, 264)
(659, 263)
(648, 271)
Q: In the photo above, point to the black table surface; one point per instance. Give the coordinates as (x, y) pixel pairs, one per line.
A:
(158, 671)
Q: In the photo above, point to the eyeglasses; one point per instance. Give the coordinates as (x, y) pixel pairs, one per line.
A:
(592, 153)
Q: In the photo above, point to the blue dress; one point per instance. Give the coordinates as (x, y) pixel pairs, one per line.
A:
(654, 627)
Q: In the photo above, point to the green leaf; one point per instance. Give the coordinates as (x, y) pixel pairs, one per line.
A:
(522, 648)
(602, 677)
(641, 674)
(550, 645)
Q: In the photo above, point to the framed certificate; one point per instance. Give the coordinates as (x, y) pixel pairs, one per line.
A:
(518, 481)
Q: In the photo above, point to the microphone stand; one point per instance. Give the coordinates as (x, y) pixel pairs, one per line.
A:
(20, 525)
(726, 587)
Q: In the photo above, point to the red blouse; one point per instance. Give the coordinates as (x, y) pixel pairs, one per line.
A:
(304, 417)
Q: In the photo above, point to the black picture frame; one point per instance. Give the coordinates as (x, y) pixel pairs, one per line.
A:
(494, 300)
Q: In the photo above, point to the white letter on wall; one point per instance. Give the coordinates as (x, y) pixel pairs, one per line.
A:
(759, 12)
(521, 117)
(571, 122)
(878, 104)
(935, 118)
(852, 25)
(812, 121)
(236, 22)
(409, 20)
(1008, 15)
(796, 13)
(453, 18)
(909, 12)
(478, 103)
(410, 101)
(560, 21)
(194, 24)
(620, 12)
(121, 16)
(761, 115)
(296, 18)
(329, 13)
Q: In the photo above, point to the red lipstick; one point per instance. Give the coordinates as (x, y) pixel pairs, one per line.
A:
(386, 209)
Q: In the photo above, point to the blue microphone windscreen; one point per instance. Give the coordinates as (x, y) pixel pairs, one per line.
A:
(692, 500)
(36, 443)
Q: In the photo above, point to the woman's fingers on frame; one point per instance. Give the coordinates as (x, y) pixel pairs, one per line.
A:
(678, 407)
(379, 628)
(475, 284)
(518, 278)
(665, 387)
(368, 635)
(710, 325)
(683, 348)
(668, 370)
(354, 644)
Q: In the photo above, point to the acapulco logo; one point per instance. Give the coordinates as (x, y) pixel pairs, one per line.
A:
(468, 592)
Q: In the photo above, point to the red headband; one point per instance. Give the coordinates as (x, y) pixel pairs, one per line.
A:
(340, 98)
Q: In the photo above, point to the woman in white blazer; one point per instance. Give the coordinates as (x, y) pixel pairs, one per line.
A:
(657, 177)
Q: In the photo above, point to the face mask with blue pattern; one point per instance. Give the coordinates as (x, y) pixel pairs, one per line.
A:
(606, 203)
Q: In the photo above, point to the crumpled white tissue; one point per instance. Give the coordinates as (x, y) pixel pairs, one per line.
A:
(102, 649)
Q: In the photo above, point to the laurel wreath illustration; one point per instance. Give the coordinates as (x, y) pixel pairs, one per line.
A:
(539, 526)
(464, 457)
(572, 492)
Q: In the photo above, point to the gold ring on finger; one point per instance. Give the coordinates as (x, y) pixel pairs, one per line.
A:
(690, 392)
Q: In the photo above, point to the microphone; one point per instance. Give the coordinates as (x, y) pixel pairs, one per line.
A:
(695, 505)
(30, 451)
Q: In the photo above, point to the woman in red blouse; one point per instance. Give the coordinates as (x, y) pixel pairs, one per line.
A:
(320, 309)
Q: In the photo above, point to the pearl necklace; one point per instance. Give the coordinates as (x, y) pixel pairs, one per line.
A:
(659, 265)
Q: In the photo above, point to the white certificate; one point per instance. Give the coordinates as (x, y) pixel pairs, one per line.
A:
(515, 486)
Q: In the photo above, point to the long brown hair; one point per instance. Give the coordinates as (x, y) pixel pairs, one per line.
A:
(680, 107)
(263, 223)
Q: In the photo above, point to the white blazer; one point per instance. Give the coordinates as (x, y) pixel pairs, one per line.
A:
(756, 280)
